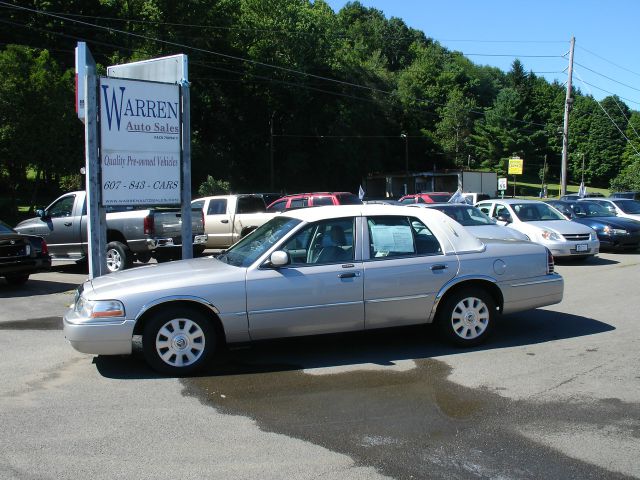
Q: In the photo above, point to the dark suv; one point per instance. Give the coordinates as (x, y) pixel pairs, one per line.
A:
(303, 200)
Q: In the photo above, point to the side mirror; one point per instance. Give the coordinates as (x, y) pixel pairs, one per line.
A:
(279, 258)
(504, 218)
(40, 212)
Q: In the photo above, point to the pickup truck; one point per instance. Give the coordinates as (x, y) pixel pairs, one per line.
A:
(131, 233)
(228, 218)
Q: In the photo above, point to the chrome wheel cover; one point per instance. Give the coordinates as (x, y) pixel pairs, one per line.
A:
(470, 318)
(114, 260)
(180, 342)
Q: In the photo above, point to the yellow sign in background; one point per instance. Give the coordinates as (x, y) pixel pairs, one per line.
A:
(515, 166)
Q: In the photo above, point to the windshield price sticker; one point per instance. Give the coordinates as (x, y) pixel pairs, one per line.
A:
(140, 142)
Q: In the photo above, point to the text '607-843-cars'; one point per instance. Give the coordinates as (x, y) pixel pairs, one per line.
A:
(315, 271)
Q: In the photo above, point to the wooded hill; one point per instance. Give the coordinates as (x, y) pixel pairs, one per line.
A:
(338, 89)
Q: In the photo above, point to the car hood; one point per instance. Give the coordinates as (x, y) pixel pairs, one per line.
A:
(615, 222)
(177, 275)
(496, 232)
(562, 227)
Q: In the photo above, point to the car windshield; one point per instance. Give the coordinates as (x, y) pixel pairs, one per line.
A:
(591, 209)
(629, 206)
(349, 199)
(535, 212)
(465, 215)
(254, 245)
(4, 228)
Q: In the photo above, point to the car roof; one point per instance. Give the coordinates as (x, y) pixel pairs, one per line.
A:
(460, 239)
(512, 201)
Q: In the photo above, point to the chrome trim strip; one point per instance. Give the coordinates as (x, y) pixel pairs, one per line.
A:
(537, 282)
(174, 298)
(305, 307)
(394, 299)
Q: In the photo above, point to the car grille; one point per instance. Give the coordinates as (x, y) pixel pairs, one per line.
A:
(12, 248)
(577, 237)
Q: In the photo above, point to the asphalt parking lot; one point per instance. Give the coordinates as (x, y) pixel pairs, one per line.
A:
(554, 394)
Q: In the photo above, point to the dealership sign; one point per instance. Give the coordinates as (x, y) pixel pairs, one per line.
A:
(140, 140)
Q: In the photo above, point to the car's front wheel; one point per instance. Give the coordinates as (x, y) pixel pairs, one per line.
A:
(466, 318)
(178, 341)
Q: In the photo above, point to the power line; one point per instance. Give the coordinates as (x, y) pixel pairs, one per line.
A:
(607, 77)
(241, 59)
(612, 121)
(610, 92)
(609, 61)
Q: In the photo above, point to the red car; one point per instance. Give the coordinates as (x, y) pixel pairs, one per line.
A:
(303, 200)
(431, 197)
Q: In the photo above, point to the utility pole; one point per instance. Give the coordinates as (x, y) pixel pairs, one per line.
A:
(565, 131)
(406, 163)
(544, 174)
(271, 173)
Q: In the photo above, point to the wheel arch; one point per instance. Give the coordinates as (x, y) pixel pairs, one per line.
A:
(485, 283)
(116, 236)
(199, 304)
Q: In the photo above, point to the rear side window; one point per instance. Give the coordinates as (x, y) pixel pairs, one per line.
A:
(408, 200)
(392, 236)
(299, 203)
(198, 204)
(217, 206)
(251, 205)
(485, 208)
(349, 199)
(279, 206)
(318, 201)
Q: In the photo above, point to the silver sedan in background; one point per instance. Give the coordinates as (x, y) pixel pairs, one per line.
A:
(315, 271)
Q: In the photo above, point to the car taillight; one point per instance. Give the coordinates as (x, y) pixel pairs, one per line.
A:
(148, 225)
(550, 264)
(45, 249)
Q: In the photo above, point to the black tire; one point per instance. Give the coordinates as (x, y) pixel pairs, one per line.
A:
(118, 257)
(466, 317)
(167, 347)
(143, 257)
(246, 231)
(197, 251)
(17, 279)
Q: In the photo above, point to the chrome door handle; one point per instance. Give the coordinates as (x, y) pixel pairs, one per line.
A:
(438, 266)
(67, 224)
(349, 275)
(224, 221)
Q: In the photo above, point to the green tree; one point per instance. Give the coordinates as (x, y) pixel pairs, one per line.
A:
(212, 186)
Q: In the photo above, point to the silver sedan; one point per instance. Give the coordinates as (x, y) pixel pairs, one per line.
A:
(315, 271)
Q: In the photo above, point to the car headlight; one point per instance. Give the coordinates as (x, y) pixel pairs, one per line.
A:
(614, 231)
(98, 309)
(550, 235)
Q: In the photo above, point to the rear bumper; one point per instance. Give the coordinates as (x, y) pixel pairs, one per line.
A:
(22, 266)
(532, 293)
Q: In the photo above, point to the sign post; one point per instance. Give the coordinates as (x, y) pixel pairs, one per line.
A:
(516, 165)
(502, 186)
(86, 105)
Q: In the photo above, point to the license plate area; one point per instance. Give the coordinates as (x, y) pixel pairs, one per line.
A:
(582, 247)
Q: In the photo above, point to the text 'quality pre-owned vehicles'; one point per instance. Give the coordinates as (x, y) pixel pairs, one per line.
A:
(545, 225)
(315, 271)
(143, 233)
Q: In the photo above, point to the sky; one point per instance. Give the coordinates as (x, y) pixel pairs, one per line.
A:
(607, 37)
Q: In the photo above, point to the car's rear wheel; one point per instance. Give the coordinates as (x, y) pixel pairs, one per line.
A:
(178, 340)
(17, 279)
(467, 317)
(118, 257)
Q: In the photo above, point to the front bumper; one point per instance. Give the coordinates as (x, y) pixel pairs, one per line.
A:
(98, 338)
(569, 248)
(621, 242)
